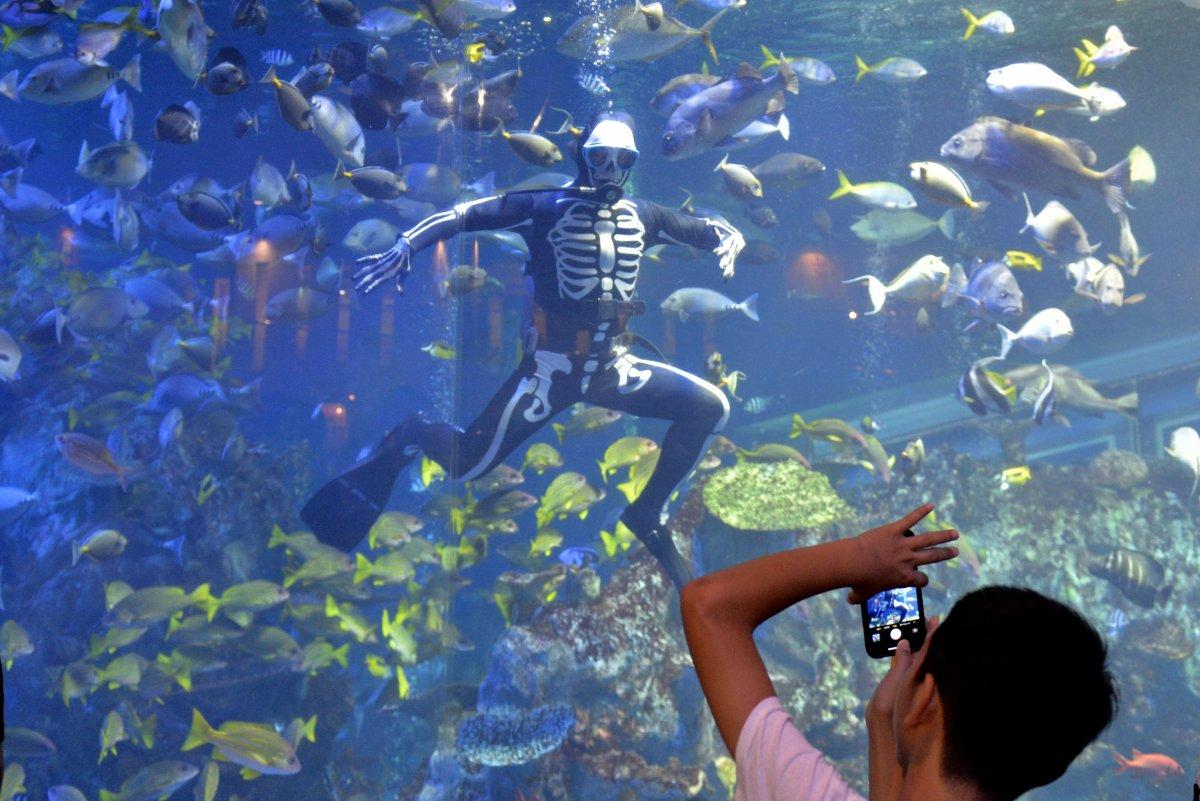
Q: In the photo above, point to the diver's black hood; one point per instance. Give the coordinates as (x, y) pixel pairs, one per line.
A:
(582, 177)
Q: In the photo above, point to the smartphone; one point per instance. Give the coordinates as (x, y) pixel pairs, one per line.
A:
(891, 616)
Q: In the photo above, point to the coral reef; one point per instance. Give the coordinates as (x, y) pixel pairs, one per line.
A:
(512, 737)
(773, 496)
(1119, 469)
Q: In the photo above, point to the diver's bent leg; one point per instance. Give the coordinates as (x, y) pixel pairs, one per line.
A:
(343, 511)
(696, 409)
(514, 414)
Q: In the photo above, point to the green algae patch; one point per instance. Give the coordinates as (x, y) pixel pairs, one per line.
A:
(773, 496)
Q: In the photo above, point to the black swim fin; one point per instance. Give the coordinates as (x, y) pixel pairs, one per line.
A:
(342, 512)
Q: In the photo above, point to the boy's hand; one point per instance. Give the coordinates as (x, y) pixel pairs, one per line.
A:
(888, 559)
(879, 708)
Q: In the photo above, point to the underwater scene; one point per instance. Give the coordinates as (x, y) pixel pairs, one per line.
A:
(682, 285)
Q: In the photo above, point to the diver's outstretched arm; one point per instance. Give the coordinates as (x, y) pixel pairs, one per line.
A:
(486, 214)
(719, 236)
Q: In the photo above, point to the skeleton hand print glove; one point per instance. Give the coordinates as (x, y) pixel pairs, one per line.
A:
(731, 244)
(395, 262)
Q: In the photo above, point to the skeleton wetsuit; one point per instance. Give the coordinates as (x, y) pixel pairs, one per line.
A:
(585, 254)
(584, 262)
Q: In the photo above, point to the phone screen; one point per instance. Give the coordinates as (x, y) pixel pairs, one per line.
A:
(891, 616)
(893, 607)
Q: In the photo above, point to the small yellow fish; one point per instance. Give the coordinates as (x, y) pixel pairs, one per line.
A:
(377, 667)
(14, 643)
(112, 732)
(619, 540)
(1023, 260)
(474, 52)
(541, 457)
(440, 349)
(256, 748)
(208, 485)
(546, 541)
(727, 773)
(1015, 477)
(431, 472)
(13, 783)
(399, 639)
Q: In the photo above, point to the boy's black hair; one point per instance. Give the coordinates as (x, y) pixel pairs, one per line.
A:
(1024, 688)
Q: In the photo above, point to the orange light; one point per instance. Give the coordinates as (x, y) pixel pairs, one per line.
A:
(853, 315)
(262, 252)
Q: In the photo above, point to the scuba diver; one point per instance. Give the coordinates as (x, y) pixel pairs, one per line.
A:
(586, 242)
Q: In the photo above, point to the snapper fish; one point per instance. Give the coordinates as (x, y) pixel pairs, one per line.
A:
(625, 33)
(683, 87)
(921, 282)
(810, 70)
(994, 22)
(1109, 55)
(896, 70)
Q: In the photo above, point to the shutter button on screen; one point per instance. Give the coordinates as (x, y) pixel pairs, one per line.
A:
(895, 635)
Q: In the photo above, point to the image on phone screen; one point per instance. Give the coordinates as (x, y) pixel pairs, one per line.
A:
(893, 607)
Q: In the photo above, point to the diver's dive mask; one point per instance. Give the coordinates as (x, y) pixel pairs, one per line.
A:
(609, 153)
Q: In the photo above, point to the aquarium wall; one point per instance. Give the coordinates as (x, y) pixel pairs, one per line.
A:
(273, 527)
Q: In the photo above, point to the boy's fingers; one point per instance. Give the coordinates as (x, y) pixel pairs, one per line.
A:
(929, 556)
(934, 538)
(915, 516)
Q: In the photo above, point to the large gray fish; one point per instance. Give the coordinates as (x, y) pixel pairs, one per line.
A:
(101, 310)
(1010, 155)
(26, 203)
(1071, 390)
(184, 35)
(338, 129)
(720, 111)
(122, 164)
(65, 80)
(681, 88)
(627, 33)
(904, 227)
(788, 171)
